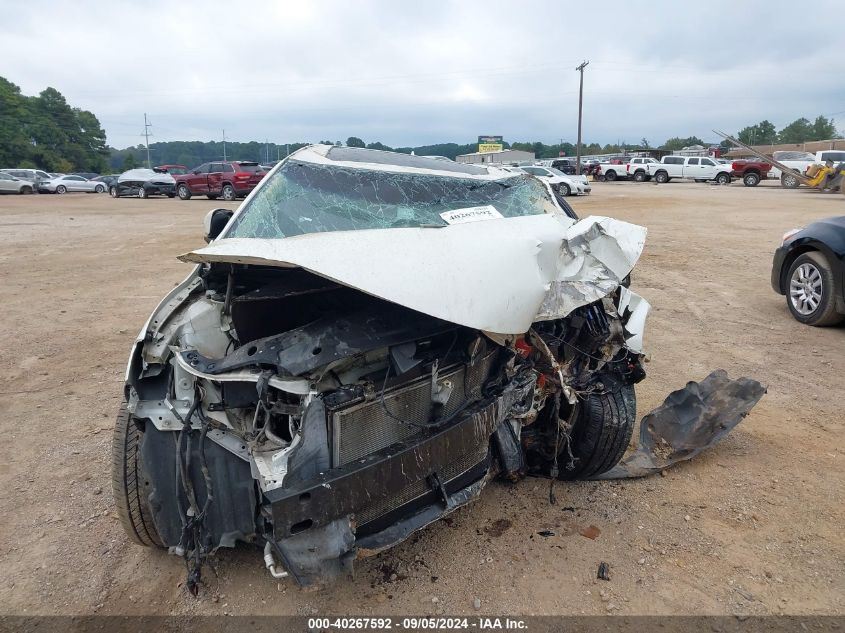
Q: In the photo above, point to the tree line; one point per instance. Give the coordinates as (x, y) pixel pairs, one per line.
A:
(799, 131)
(45, 132)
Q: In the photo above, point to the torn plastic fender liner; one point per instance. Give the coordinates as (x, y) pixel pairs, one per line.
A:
(689, 421)
(497, 276)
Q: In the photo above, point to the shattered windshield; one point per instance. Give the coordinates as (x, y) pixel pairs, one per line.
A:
(307, 198)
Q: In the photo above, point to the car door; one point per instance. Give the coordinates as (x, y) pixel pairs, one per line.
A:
(197, 179)
(215, 178)
(674, 166)
(692, 168)
(709, 168)
(8, 184)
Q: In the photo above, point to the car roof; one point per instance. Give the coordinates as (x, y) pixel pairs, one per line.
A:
(379, 160)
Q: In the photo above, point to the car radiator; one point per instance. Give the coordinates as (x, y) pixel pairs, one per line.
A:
(362, 428)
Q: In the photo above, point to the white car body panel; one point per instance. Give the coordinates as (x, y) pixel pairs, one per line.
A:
(498, 275)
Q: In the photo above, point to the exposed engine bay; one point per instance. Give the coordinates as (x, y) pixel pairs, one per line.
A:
(291, 394)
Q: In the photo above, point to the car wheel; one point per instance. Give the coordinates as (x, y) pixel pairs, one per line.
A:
(723, 179)
(751, 180)
(789, 181)
(611, 175)
(602, 430)
(601, 178)
(184, 192)
(810, 290)
(661, 177)
(639, 176)
(100, 189)
(229, 193)
(564, 189)
(61, 189)
(26, 190)
(142, 193)
(129, 482)
(113, 192)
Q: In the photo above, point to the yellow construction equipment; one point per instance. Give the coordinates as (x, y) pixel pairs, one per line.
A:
(827, 177)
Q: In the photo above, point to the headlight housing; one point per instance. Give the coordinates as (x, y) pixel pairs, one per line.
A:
(790, 233)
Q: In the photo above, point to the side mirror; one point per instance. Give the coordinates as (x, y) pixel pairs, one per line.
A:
(214, 222)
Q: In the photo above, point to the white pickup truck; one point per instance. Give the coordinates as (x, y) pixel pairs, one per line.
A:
(698, 168)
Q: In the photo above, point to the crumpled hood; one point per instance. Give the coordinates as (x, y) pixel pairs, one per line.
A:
(498, 276)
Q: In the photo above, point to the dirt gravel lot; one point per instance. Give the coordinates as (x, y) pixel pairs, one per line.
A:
(752, 527)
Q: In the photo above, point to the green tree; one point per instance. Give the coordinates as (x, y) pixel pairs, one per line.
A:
(354, 141)
(823, 129)
(798, 131)
(130, 162)
(764, 133)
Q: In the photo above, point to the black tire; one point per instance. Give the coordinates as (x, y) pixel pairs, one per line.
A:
(789, 181)
(825, 313)
(639, 176)
(229, 193)
(603, 427)
(113, 192)
(171, 195)
(601, 178)
(128, 482)
(183, 192)
(564, 189)
(100, 189)
(751, 180)
(26, 190)
(610, 175)
(661, 177)
(723, 178)
(142, 193)
(61, 189)
(212, 196)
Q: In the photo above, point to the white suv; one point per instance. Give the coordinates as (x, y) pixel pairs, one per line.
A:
(699, 168)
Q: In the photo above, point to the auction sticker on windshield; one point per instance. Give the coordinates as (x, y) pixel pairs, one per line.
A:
(471, 214)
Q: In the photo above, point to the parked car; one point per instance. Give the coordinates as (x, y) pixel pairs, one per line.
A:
(637, 168)
(751, 171)
(142, 183)
(108, 180)
(613, 169)
(565, 165)
(35, 176)
(88, 175)
(809, 269)
(229, 180)
(10, 184)
(562, 183)
(700, 168)
(173, 170)
(71, 183)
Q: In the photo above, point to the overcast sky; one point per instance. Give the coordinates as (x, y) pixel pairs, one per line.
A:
(409, 73)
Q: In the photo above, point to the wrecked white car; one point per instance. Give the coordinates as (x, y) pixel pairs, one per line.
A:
(365, 344)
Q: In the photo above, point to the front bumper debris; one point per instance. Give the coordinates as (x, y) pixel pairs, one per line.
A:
(689, 421)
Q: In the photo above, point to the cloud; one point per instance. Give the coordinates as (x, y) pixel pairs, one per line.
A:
(413, 73)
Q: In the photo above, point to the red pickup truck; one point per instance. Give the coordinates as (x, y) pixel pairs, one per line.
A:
(751, 171)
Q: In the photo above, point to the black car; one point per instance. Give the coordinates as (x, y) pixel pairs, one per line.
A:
(108, 179)
(809, 268)
(143, 183)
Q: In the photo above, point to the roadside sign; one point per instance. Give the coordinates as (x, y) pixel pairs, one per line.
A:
(490, 144)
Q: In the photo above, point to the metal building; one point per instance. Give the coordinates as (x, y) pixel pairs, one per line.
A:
(505, 156)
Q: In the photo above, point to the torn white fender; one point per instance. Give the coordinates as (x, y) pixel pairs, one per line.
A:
(499, 276)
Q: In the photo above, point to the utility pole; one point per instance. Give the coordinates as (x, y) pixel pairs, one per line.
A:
(224, 145)
(147, 127)
(580, 109)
